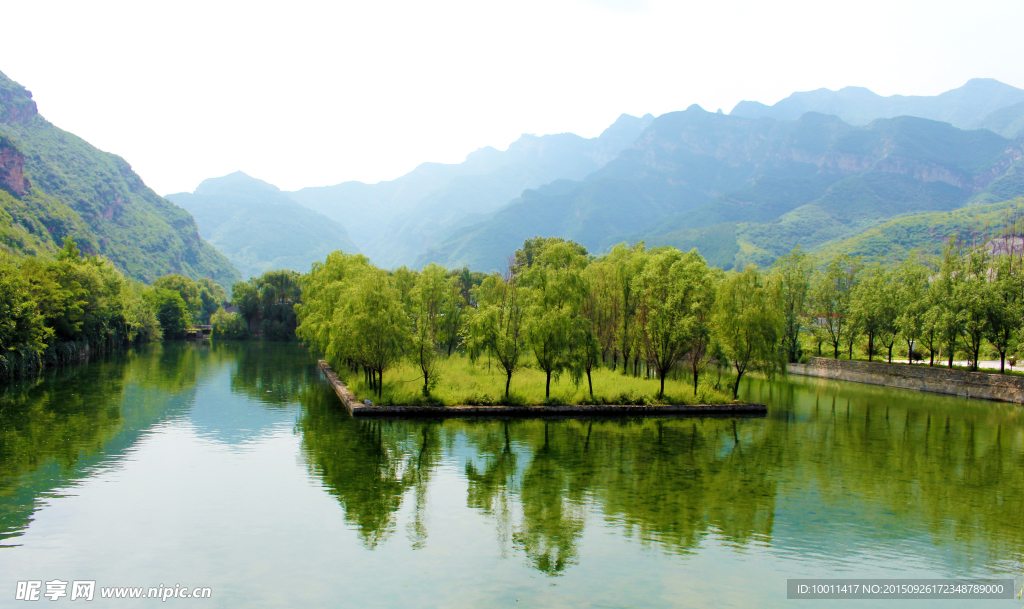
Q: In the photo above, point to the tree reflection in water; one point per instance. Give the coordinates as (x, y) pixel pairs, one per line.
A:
(887, 462)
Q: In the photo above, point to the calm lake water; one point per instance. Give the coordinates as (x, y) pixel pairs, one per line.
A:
(234, 467)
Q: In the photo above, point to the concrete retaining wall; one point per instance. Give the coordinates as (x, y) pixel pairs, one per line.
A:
(977, 385)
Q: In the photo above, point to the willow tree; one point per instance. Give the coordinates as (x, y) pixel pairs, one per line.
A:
(431, 298)
(325, 292)
(497, 323)
(628, 263)
(912, 302)
(873, 308)
(748, 322)
(373, 325)
(675, 294)
(973, 297)
(553, 320)
(946, 316)
(831, 291)
(1005, 306)
(602, 307)
(792, 273)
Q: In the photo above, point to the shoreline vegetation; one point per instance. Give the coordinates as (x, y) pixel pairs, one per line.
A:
(464, 382)
(62, 310)
(607, 324)
(612, 323)
(522, 407)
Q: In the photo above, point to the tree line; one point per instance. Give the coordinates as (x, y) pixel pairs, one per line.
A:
(556, 308)
(54, 310)
(968, 302)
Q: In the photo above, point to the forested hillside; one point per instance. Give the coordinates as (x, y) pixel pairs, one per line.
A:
(258, 227)
(56, 185)
(748, 190)
(926, 234)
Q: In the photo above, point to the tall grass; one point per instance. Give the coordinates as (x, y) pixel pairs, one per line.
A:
(478, 383)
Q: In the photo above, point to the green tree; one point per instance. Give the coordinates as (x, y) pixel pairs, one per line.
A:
(497, 323)
(792, 273)
(830, 296)
(553, 321)
(532, 249)
(171, 311)
(374, 325)
(874, 309)
(946, 317)
(748, 323)
(21, 324)
(431, 299)
(211, 296)
(675, 298)
(187, 289)
(229, 326)
(912, 303)
(1005, 307)
(973, 297)
(628, 263)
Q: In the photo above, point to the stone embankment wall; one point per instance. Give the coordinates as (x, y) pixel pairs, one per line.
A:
(937, 379)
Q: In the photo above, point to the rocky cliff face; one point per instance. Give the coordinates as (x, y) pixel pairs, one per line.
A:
(16, 104)
(12, 168)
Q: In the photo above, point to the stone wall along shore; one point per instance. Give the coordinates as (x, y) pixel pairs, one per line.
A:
(937, 379)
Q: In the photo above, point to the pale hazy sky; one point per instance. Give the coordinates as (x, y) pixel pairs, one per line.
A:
(314, 93)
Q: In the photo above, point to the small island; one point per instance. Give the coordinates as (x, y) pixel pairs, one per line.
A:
(368, 409)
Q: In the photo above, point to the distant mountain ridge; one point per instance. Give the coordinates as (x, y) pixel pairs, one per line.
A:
(393, 222)
(68, 188)
(747, 190)
(258, 227)
(966, 107)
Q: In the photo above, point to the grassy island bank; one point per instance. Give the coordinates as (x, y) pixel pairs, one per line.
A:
(472, 388)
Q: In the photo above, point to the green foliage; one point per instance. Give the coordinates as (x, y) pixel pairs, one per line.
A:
(792, 274)
(749, 323)
(496, 326)
(430, 300)
(50, 310)
(228, 326)
(187, 289)
(830, 302)
(95, 197)
(171, 311)
(555, 292)
(675, 297)
(269, 303)
(469, 382)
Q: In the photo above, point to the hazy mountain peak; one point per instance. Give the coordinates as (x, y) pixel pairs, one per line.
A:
(965, 107)
(234, 183)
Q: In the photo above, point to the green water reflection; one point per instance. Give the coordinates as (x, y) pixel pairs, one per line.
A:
(868, 464)
(837, 477)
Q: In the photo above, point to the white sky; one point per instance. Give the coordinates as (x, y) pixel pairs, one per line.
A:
(313, 93)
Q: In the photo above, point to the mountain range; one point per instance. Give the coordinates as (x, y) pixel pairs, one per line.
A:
(258, 227)
(982, 103)
(832, 171)
(54, 184)
(394, 222)
(746, 190)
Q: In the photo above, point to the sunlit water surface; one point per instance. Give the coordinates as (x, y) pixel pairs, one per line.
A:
(234, 467)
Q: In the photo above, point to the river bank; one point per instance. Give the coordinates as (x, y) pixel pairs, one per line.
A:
(949, 381)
